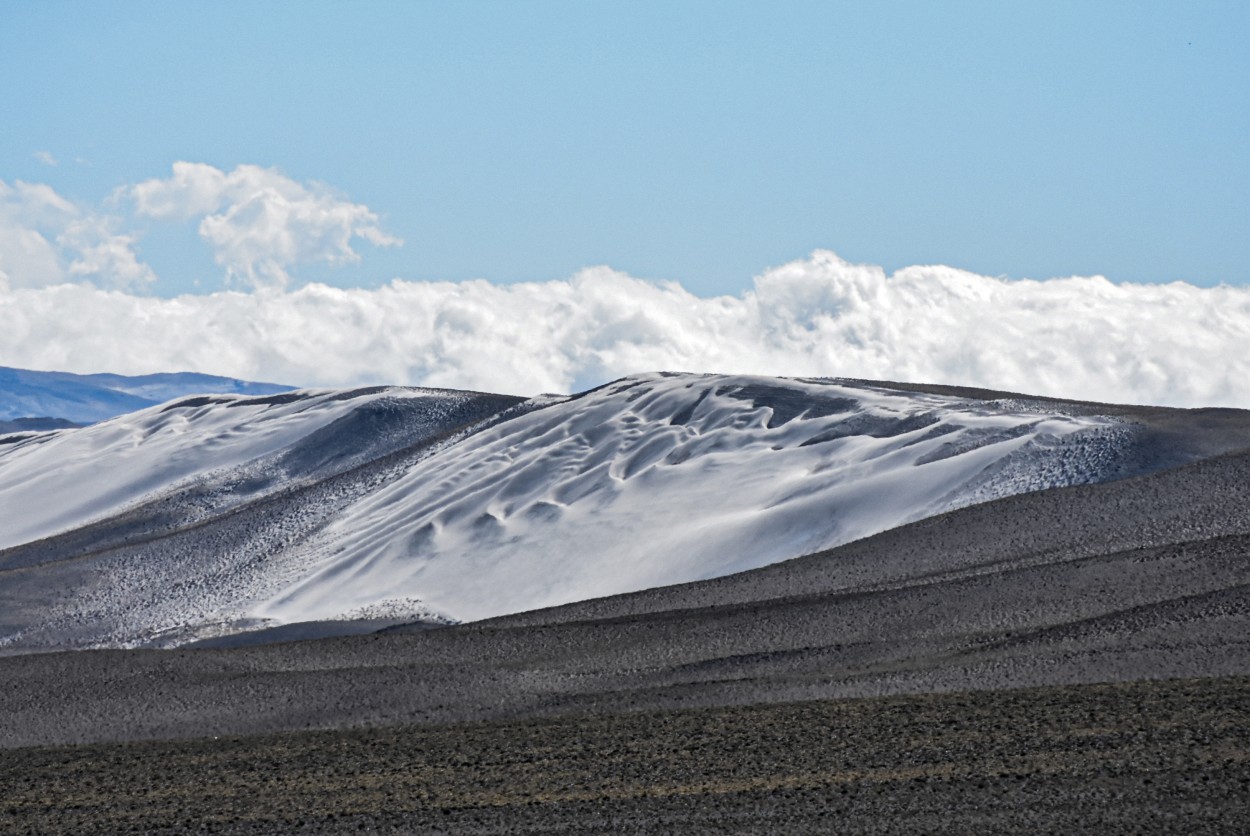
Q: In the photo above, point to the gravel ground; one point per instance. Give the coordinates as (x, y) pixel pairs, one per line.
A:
(1145, 757)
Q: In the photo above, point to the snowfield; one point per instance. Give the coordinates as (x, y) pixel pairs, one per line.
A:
(225, 514)
(658, 480)
(53, 482)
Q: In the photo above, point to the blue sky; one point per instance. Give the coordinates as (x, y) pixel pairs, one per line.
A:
(542, 196)
(699, 142)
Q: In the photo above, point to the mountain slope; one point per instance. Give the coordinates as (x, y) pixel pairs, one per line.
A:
(225, 515)
(55, 483)
(721, 473)
(1135, 579)
(168, 519)
(85, 399)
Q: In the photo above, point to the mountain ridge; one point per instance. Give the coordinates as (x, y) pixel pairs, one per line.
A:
(87, 398)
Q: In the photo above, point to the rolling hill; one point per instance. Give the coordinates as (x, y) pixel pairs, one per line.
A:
(344, 511)
(875, 607)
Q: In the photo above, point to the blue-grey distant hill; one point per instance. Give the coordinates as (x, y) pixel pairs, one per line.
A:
(60, 399)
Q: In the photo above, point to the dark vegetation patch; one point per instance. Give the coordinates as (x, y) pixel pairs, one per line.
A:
(299, 395)
(683, 415)
(622, 384)
(364, 391)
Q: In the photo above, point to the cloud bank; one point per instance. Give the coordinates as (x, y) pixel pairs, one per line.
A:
(71, 283)
(1071, 337)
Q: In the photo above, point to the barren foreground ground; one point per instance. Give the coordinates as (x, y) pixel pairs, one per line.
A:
(1136, 757)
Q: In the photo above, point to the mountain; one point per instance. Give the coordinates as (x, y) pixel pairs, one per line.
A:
(84, 399)
(1064, 650)
(35, 425)
(229, 518)
(1144, 578)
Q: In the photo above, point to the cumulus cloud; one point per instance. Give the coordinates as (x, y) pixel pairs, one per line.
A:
(1072, 337)
(259, 222)
(47, 239)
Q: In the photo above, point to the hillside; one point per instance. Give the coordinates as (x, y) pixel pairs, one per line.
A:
(322, 512)
(1068, 655)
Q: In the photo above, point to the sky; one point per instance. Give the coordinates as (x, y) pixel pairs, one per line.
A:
(193, 168)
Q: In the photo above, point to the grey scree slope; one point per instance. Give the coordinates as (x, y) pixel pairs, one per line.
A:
(1136, 579)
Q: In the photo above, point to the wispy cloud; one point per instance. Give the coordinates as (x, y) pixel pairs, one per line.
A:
(1073, 337)
(259, 222)
(45, 157)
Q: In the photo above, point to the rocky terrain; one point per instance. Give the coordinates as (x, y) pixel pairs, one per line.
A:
(1143, 757)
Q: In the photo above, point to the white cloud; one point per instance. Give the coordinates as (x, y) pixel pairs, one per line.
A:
(259, 222)
(45, 157)
(1072, 337)
(46, 239)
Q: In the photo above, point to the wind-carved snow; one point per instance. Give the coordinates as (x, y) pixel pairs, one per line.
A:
(225, 514)
(57, 481)
(660, 479)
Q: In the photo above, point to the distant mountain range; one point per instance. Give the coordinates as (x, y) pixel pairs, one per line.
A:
(34, 400)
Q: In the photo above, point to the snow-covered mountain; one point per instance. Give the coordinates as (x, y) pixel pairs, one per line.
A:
(85, 399)
(218, 515)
